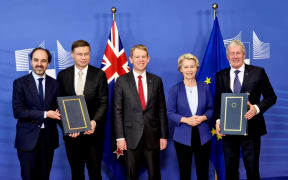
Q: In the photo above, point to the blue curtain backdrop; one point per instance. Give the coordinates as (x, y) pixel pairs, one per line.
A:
(169, 29)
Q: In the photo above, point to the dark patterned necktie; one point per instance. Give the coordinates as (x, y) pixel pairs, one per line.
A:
(237, 84)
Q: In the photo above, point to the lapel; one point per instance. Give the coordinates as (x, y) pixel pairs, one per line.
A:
(227, 80)
(199, 94)
(70, 80)
(32, 87)
(133, 88)
(183, 99)
(245, 79)
(149, 87)
(89, 77)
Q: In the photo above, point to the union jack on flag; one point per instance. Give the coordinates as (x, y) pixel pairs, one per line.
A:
(114, 64)
(114, 60)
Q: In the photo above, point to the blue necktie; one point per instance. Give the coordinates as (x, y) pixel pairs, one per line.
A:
(237, 84)
(40, 89)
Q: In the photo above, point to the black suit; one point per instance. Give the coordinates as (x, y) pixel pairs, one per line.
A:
(87, 149)
(35, 146)
(142, 129)
(256, 83)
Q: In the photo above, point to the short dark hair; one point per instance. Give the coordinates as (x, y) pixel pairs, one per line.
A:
(79, 43)
(40, 48)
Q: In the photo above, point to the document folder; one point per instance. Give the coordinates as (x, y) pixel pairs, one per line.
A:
(233, 108)
(74, 114)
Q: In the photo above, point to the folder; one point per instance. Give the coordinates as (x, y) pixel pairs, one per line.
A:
(233, 108)
(74, 114)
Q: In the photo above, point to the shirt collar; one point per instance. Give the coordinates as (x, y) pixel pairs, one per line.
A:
(241, 69)
(36, 77)
(84, 70)
(136, 74)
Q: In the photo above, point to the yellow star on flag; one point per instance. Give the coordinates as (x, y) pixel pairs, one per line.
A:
(213, 132)
(208, 80)
(219, 137)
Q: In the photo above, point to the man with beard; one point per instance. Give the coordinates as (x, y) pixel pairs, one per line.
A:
(34, 106)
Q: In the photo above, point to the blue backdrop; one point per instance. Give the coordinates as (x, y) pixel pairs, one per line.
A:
(169, 29)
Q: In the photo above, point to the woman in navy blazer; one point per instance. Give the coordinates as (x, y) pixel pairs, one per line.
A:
(190, 108)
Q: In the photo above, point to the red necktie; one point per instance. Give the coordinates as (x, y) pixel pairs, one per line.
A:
(141, 92)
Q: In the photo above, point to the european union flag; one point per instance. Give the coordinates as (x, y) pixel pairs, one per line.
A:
(214, 60)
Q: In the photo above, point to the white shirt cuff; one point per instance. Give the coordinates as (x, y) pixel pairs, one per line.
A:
(120, 139)
(257, 109)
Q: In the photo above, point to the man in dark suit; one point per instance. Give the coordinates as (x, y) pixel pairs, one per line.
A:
(140, 118)
(34, 105)
(84, 79)
(245, 79)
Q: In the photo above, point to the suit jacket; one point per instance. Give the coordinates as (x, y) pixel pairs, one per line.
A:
(30, 114)
(178, 107)
(133, 123)
(257, 84)
(95, 93)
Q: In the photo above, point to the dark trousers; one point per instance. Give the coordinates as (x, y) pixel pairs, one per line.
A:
(134, 157)
(250, 147)
(201, 155)
(36, 164)
(83, 151)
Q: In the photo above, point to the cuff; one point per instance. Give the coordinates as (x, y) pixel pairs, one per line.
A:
(45, 114)
(120, 139)
(257, 109)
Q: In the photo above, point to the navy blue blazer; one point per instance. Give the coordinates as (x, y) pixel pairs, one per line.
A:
(30, 115)
(178, 107)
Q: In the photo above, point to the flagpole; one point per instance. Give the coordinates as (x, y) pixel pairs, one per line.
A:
(215, 6)
(113, 9)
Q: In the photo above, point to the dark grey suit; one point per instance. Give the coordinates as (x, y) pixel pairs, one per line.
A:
(87, 149)
(256, 83)
(140, 128)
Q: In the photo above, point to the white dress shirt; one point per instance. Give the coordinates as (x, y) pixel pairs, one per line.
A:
(144, 83)
(76, 76)
(36, 77)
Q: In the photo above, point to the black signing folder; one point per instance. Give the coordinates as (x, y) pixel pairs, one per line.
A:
(233, 108)
(74, 114)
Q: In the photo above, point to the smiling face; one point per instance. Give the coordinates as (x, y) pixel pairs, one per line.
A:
(236, 56)
(139, 60)
(39, 62)
(81, 56)
(189, 69)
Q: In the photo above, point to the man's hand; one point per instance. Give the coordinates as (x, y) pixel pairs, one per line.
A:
(163, 144)
(74, 135)
(121, 144)
(53, 114)
(93, 126)
(251, 113)
(218, 128)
